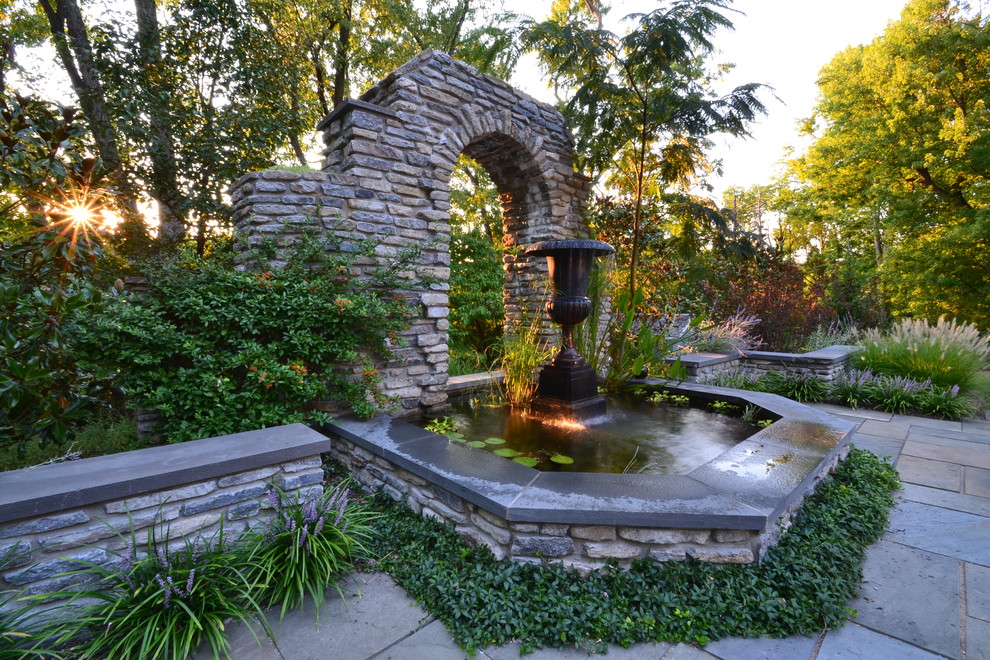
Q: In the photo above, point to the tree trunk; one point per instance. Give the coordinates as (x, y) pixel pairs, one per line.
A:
(340, 61)
(74, 49)
(164, 172)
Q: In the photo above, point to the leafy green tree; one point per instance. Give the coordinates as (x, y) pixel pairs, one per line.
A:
(642, 105)
(899, 167)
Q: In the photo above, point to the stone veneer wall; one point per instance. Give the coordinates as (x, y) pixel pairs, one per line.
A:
(584, 547)
(52, 514)
(825, 363)
(386, 175)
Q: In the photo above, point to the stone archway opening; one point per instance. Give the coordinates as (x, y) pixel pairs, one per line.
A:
(386, 173)
(477, 301)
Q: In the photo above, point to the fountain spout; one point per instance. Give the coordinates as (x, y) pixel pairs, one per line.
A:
(568, 386)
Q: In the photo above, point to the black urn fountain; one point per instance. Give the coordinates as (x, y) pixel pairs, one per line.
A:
(568, 387)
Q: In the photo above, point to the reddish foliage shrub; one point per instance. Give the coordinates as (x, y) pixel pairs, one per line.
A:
(777, 291)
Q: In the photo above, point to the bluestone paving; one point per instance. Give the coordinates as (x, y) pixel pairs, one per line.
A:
(853, 642)
(947, 500)
(975, 457)
(977, 482)
(894, 576)
(741, 648)
(941, 424)
(926, 472)
(925, 594)
(955, 534)
(969, 442)
(685, 652)
(978, 591)
(885, 429)
(431, 641)
(879, 445)
(977, 640)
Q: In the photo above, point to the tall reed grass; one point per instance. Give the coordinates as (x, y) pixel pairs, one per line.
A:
(948, 353)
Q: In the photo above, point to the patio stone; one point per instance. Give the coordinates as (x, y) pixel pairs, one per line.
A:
(926, 472)
(743, 648)
(431, 641)
(977, 591)
(889, 602)
(974, 457)
(943, 498)
(884, 429)
(940, 424)
(952, 533)
(970, 441)
(977, 482)
(852, 642)
(977, 640)
(878, 444)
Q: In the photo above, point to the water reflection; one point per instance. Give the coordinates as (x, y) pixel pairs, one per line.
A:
(635, 436)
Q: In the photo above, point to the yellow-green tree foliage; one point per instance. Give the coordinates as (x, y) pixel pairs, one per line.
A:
(899, 168)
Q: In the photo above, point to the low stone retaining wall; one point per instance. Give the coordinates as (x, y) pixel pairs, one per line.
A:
(581, 546)
(84, 510)
(825, 364)
(729, 510)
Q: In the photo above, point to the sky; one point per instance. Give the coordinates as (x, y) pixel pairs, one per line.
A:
(781, 43)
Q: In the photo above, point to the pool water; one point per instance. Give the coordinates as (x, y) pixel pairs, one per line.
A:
(635, 436)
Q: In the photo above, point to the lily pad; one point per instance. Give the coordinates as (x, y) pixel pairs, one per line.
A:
(495, 441)
(563, 460)
(528, 461)
(505, 452)
(454, 435)
(476, 443)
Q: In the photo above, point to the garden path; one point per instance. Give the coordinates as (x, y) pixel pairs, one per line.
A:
(925, 592)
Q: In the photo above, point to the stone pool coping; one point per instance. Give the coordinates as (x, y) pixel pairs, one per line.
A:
(747, 487)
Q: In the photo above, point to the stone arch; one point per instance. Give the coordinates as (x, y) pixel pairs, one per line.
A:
(386, 170)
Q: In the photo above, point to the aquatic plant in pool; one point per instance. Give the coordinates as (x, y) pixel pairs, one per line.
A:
(636, 435)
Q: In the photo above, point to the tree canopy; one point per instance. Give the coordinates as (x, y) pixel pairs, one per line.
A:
(897, 176)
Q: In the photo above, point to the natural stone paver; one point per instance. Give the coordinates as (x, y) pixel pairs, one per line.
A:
(853, 642)
(359, 629)
(686, 652)
(889, 602)
(860, 413)
(926, 472)
(878, 444)
(981, 428)
(977, 591)
(939, 437)
(884, 429)
(977, 640)
(977, 482)
(974, 457)
(952, 533)
(941, 424)
(943, 498)
(431, 641)
(741, 648)
(943, 441)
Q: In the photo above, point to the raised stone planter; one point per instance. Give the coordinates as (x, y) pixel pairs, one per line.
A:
(825, 363)
(730, 510)
(79, 510)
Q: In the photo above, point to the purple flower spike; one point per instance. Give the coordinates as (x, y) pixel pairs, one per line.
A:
(189, 582)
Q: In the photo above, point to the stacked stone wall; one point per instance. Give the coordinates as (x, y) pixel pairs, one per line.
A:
(585, 547)
(86, 510)
(386, 171)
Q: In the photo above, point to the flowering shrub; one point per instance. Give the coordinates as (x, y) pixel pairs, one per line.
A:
(162, 603)
(306, 544)
(218, 351)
